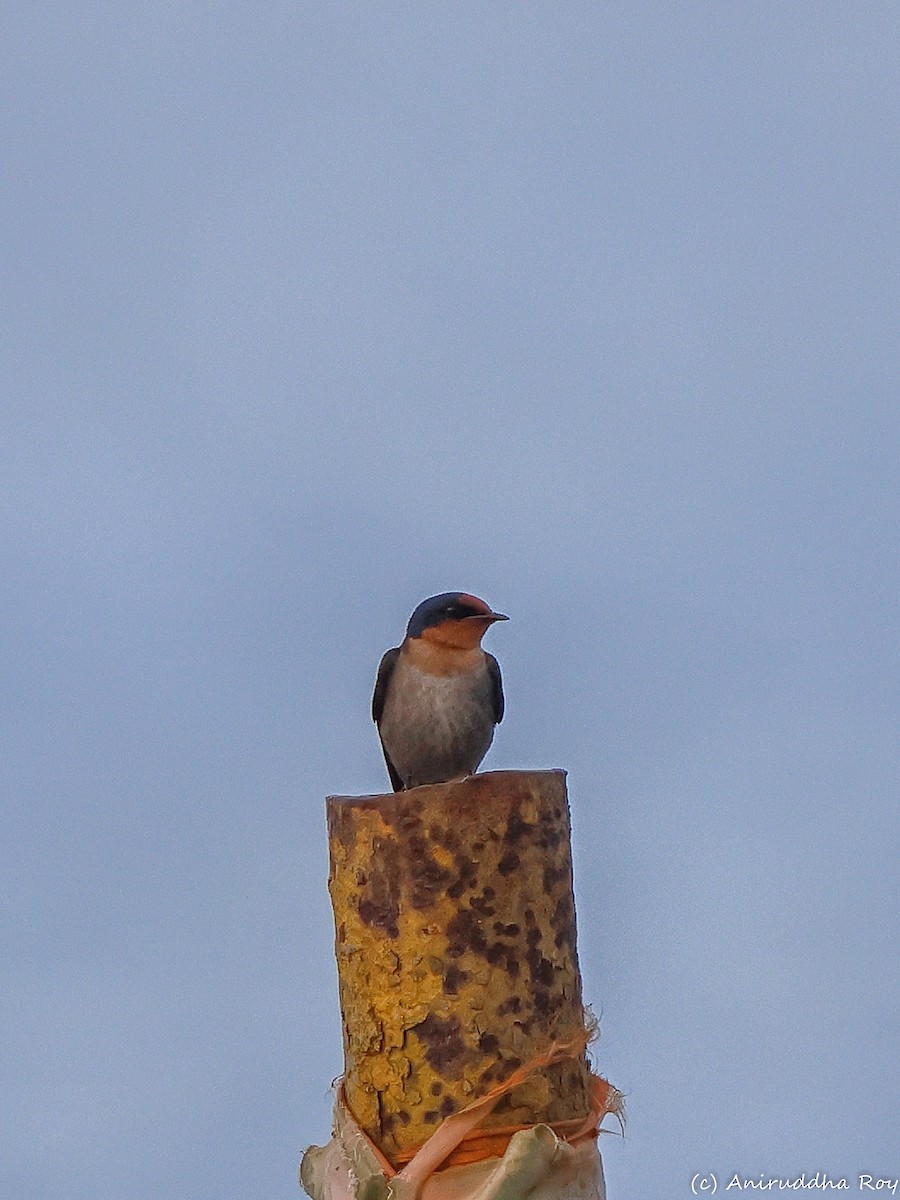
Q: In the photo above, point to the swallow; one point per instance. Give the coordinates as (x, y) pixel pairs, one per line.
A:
(438, 695)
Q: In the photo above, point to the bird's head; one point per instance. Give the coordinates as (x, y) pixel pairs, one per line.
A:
(453, 619)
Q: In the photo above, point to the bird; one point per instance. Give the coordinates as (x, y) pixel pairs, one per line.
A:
(439, 695)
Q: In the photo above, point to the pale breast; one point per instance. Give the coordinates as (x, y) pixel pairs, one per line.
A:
(436, 727)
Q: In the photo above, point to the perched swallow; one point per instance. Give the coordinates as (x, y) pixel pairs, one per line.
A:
(438, 695)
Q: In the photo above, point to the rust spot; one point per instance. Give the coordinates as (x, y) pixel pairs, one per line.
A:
(447, 838)
(466, 869)
(445, 1049)
(506, 1066)
(481, 906)
(533, 936)
(553, 876)
(563, 922)
(544, 973)
(551, 832)
(404, 1116)
(416, 845)
(380, 918)
(516, 828)
(546, 1003)
(453, 977)
(540, 968)
(406, 820)
(508, 863)
(448, 1106)
(467, 875)
(430, 1117)
(436, 1088)
(512, 1005)
(511, 967)
(496, 952)
(488, 1043)
(464, 933)
(505, 930)
(429, 880)
(379, 900)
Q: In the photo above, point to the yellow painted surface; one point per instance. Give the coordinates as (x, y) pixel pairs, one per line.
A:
(455, 941)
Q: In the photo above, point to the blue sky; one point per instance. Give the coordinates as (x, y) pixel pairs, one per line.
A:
(315, 310)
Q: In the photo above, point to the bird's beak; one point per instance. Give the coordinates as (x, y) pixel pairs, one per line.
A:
(492, 617)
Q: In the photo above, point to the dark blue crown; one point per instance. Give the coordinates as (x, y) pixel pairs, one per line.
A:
(448, 606)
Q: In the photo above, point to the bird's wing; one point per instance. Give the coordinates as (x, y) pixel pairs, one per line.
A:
(382, 682)
(496, 687)
(396, 781)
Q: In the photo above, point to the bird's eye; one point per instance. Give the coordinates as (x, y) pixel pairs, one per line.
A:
(458, 612)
